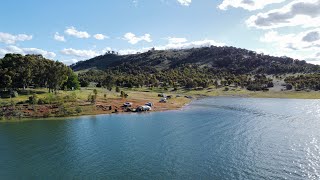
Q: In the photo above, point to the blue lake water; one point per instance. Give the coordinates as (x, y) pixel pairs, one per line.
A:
(213, 138)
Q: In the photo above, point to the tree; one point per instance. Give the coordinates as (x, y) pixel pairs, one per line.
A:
(123, 94)
(84, 82)
(117, 89)
(59, 77)
(289, 87)
(95, 92)
(5, 81)
(72, 83)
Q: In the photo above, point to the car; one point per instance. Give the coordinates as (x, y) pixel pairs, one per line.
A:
(127, 104)
(150, 104)
(143, 108)
(163, 100)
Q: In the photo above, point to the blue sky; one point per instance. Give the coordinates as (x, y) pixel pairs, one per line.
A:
(75, 30)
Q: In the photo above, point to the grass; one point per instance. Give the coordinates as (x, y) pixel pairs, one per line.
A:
(69, 107)
(139, 96)
(257, 94)
(212, 91)
(141, 93)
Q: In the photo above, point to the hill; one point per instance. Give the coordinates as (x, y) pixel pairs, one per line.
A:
(190, 68)
(231, 59)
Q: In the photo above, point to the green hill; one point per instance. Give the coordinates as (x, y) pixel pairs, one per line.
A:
(230, 59)
(190, 68)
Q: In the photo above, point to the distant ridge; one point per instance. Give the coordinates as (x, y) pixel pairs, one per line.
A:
(230, 59)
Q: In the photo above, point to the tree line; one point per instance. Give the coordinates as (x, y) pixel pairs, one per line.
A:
(190, 69)
(20, 72)
(304, 82)
(187, 77)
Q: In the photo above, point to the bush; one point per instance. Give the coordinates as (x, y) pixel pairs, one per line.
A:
(93, 99)
(78, 110)
(255, 87)
(33, 99)
(289, 87)
(117, 89)
(42, 101)
(270, 84)
(63, 111)
(226, 89)
(123, 94)
(84, 83)
(99, 85)
(14, 94)
(70, 98)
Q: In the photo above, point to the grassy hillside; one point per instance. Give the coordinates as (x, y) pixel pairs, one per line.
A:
(229, 59)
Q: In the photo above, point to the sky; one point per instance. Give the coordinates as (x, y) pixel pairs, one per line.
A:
(73, 30)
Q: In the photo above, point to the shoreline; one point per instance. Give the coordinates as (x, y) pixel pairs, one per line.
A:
(74, 117)
(140, 97)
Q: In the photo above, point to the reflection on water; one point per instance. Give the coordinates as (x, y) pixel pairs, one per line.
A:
(214, 138)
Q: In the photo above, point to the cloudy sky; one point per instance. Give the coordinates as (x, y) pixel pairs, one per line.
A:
(75, 30)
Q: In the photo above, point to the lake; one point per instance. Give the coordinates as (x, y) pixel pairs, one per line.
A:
(212, 138)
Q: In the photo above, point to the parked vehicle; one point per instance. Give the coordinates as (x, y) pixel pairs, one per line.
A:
(150, 104)
(143, 108)
(127, 104)
(163, 100)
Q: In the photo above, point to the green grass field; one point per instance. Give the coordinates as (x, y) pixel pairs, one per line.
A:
(140, 93)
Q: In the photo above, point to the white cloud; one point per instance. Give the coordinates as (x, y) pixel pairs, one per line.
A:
(175, 45)
(174, 40)
(12, 39)
(133, 39)
(185, 2)
(100, 36)
(305, 13)
(80, 53)
(24, 51)
(308, 40)
(302, 45)
(247, 4)
(70, 61)
(192, 44)
(59, 37)
(72, 31)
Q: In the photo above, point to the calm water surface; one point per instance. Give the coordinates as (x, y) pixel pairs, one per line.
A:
(214, 138)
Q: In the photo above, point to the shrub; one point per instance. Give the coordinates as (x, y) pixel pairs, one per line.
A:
(33, 99)
(14, 94)
(63, 111)
(78, 109)
(123, 94)
(93, 99)
(270, 84)
(42, 101)
(99, 85)
(289, 87)
(117, 89)
(70, 98)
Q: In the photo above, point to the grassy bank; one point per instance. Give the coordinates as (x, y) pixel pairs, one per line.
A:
(232, 91)
(258, 94)
(77, 103)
